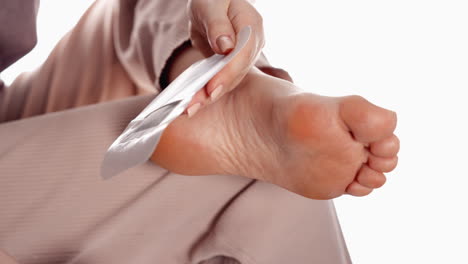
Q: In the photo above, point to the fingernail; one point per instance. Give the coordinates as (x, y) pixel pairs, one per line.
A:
(216, 93)
(224, 43)
(193, 109)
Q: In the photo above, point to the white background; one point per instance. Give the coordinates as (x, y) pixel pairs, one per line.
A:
(407, 55)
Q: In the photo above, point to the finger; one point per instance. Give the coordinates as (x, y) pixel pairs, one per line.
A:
(213, 17)
(233, 73)
(370, 178)
(382, 164)
(226, 80)
(356, 189)
(199, 97)
(241, 14)
(198, 101)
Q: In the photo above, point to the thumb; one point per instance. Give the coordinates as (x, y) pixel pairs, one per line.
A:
(218, 27)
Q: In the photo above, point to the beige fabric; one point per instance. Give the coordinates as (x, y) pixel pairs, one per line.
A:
(54, 207)
(21, 15)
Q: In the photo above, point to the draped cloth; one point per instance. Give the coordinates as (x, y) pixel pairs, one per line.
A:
(57, 122)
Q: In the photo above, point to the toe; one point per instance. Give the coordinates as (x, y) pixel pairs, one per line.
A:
(382, 164)
(356, 189)
(367, 122)
(385, 148)
(370, 178)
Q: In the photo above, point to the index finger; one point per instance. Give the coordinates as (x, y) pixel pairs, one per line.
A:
(231, 75)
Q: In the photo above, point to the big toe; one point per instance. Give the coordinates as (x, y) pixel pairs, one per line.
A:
(366, 121)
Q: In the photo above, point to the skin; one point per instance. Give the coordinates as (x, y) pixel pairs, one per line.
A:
(213, 28)
(268, 129)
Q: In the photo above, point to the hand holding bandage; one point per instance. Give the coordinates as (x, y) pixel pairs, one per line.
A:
(213, 28)
(137, 143)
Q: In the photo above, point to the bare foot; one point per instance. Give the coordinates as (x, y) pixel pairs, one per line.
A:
(268, 129)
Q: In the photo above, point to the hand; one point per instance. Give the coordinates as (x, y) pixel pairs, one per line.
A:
(213, 28)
